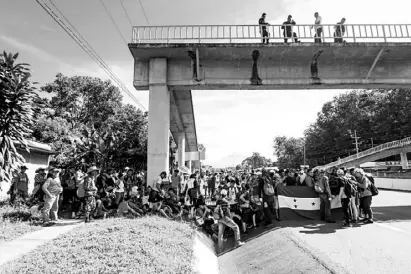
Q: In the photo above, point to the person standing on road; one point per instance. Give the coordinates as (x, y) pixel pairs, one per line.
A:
(344, 197)
(267, 191)
(176, 181)
(52, 190)
(263, 28)
(365, 194)
(318, 28)
(322, 187)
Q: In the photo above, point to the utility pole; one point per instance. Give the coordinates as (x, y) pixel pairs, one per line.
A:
(355, 137)
(304, 152)
(372, 142)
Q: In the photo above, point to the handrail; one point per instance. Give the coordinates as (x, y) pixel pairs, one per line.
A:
(368, 152)
(252, 33)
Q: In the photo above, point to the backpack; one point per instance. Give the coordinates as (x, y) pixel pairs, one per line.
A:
(350, 188)
(372, 187)
(268, 189)
(80, 189)
(217, 213)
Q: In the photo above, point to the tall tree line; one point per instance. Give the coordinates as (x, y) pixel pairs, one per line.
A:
(376, 116)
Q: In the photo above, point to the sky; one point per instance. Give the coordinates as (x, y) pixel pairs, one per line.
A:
(26, 28)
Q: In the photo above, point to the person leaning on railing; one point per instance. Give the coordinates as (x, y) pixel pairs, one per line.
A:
(339, 31)
(287, 27)
(263, 29)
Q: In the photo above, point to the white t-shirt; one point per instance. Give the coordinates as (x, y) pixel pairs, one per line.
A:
(317, 22)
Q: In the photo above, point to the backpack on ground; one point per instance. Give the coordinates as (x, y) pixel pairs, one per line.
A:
(268, 188)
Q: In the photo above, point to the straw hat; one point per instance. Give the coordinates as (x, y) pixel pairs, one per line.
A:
(92, 168)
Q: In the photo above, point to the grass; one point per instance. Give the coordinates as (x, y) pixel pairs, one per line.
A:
(15, 221)
(145, 245)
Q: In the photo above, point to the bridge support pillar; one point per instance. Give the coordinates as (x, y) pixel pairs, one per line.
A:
(188, 165)
(404, 160)
(158, 120)
(181, 143)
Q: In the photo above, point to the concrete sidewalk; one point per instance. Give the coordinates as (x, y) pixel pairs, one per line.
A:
(25, 244)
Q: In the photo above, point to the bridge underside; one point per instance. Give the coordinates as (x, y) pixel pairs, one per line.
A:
(277, 65)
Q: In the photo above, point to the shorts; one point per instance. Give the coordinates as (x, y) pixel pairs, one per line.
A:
(90, 204)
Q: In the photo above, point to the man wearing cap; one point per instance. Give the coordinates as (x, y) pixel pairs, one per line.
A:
(52, 190)
(263, 28)
(322, 187)
(90, 191)
(21, 183)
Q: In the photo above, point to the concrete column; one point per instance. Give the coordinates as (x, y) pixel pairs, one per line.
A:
(158, 120)
(181, 144)
(188, 165)
(404, 160)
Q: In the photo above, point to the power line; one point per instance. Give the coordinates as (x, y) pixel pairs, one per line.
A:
(113, 21)
(125, 11)
(144, 12)
(82, 42)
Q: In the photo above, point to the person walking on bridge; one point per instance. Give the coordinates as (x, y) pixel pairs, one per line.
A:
(318, 28)
(263, 29)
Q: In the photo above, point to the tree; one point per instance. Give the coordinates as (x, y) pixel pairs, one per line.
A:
(377, 116)
(83, 100)
(18, 105)
(256, 161)
(86, 122)
(289, 151)
(238, 167)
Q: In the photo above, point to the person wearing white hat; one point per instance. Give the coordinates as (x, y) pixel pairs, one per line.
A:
(90, 191)
(52, 190)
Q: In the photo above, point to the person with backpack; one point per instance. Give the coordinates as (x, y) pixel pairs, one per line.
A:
(346, 194)
(267, 191)
(223, 214)
(364, 185)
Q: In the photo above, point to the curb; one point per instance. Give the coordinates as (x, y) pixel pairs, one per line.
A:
(395, 190)
(205, 259)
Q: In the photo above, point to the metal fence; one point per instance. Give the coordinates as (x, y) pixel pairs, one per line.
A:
(368, 152)
(252, 33)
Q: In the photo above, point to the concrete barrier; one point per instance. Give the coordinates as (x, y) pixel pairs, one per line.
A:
(393, 183)
(205, 258)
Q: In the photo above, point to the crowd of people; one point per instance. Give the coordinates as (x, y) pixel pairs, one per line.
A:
(289, 33)
(239, 200)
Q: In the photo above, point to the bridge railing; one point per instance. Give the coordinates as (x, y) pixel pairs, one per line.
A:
(384, 33)
(368, 152)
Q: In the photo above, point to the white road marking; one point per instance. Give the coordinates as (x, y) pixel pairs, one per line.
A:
(393, 228)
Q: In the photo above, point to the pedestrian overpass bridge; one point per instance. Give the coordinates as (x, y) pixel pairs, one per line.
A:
(401, 147)
(170, 61)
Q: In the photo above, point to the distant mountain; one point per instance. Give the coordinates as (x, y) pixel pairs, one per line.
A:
(228, 161)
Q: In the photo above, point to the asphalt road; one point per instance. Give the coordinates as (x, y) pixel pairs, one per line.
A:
(316, 247)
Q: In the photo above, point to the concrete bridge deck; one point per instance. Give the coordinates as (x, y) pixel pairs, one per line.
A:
(277, 66)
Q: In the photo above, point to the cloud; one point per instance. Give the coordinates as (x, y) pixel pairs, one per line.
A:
(47, 28)
(32, 50)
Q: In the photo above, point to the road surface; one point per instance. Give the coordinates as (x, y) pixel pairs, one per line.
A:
(316, 247)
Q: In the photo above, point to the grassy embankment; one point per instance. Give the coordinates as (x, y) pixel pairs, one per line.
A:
(145, 245)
